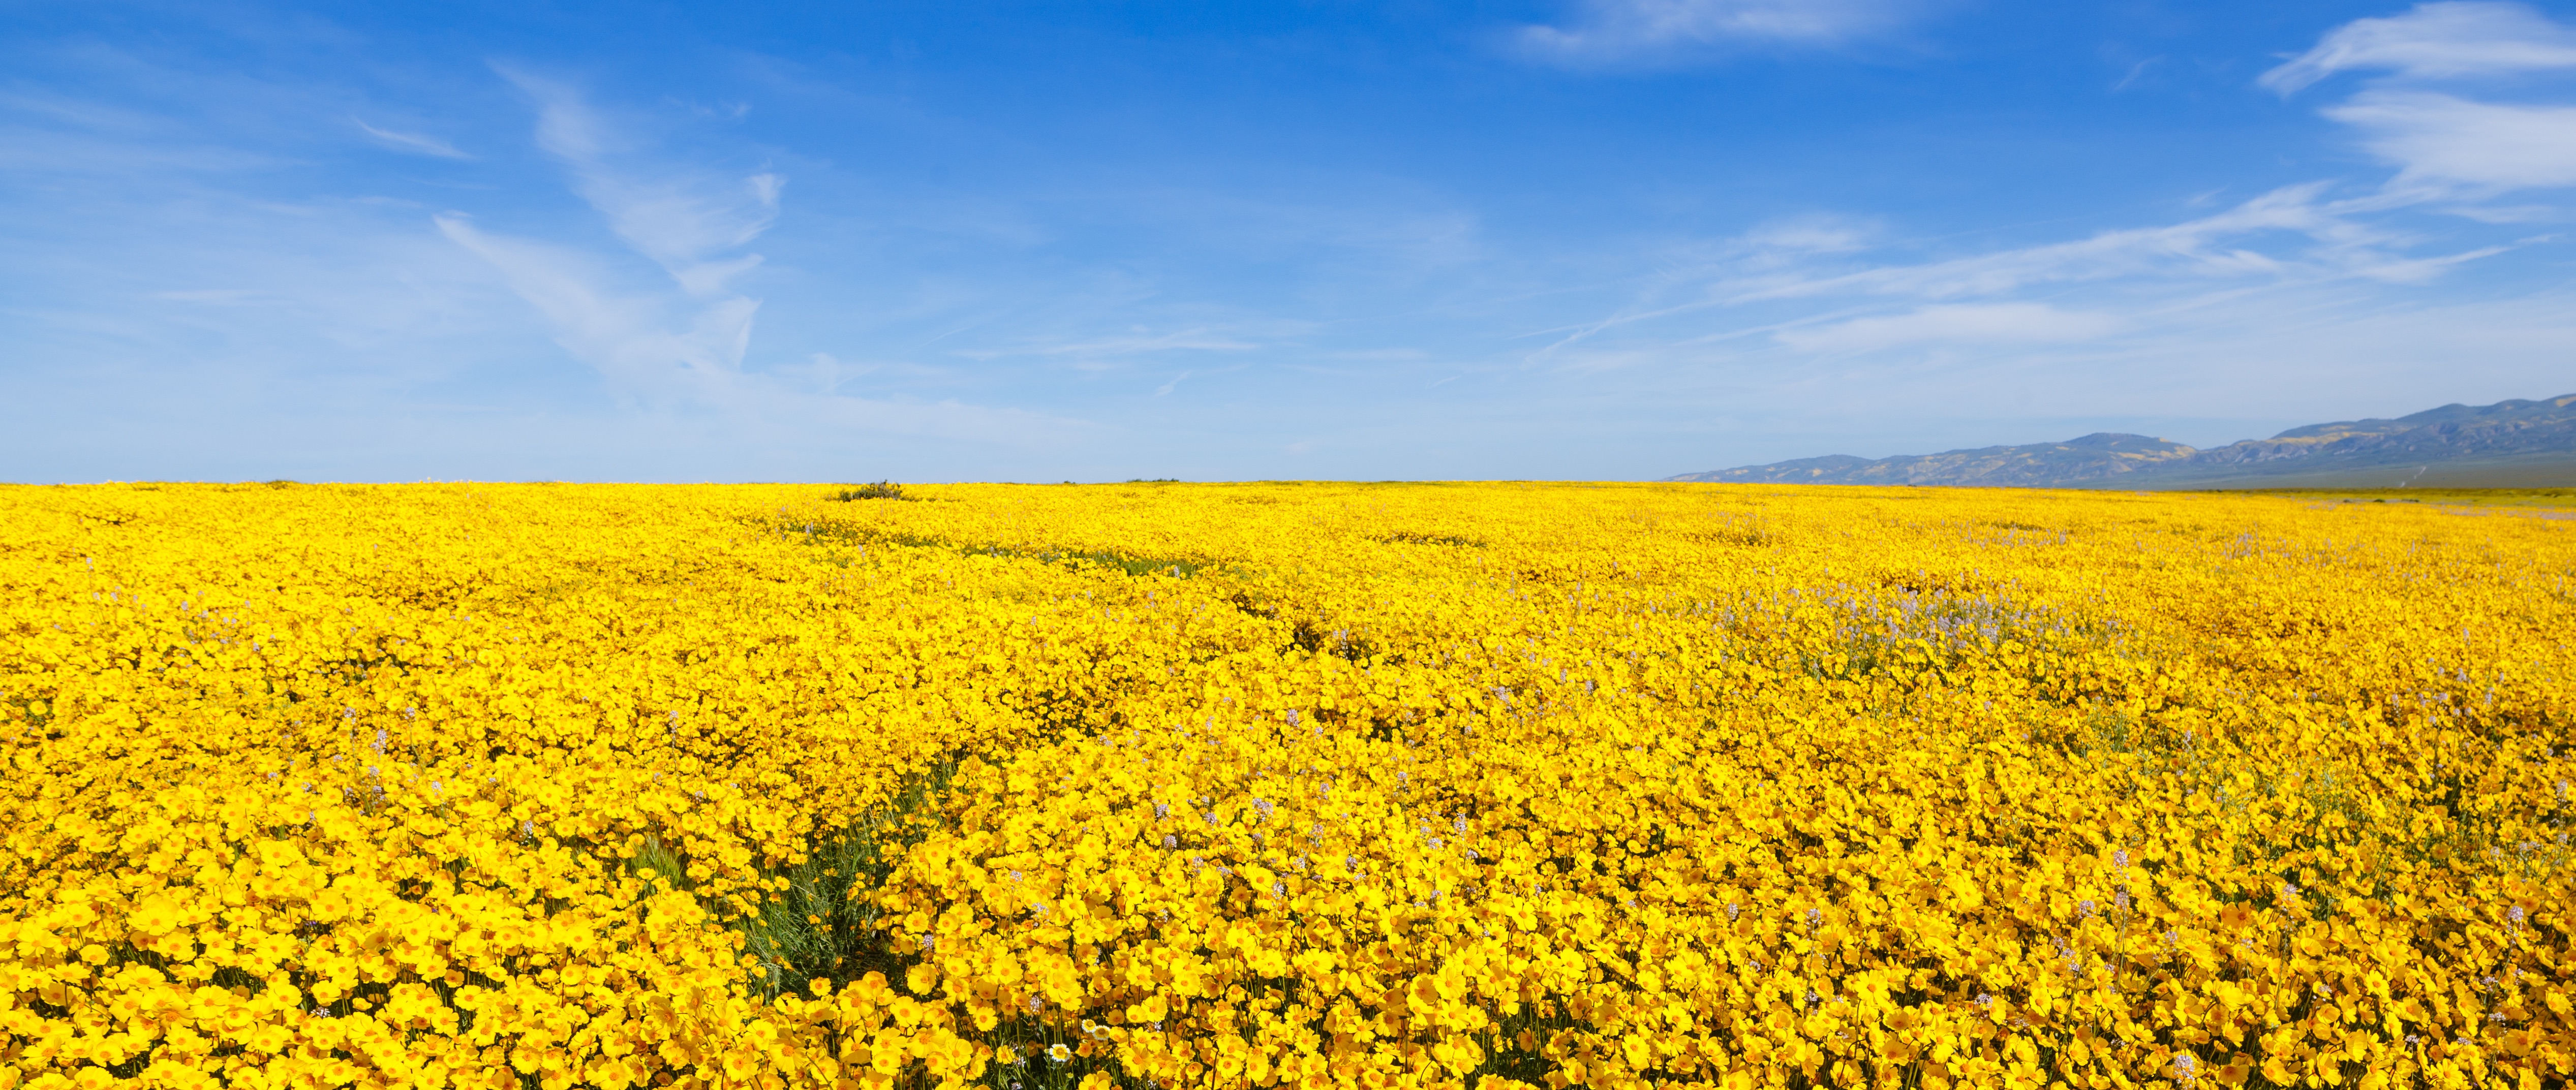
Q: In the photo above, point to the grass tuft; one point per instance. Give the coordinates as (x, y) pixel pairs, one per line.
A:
(881, 490)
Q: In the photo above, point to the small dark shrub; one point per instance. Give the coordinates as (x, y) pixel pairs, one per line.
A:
(882, 490)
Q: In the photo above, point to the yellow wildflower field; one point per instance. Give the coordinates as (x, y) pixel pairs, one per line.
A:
(1310, 785)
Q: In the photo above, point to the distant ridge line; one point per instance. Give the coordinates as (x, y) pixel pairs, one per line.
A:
(2510, 444)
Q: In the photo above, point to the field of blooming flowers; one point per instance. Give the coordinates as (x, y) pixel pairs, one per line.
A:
(1308, 785)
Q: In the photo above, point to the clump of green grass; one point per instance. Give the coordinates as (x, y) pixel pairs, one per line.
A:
(1175, 567)
(826, 923)
(881, 490)
(1431, 539)
(822, 922)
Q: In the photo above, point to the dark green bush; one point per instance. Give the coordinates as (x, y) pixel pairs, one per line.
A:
(881, 490)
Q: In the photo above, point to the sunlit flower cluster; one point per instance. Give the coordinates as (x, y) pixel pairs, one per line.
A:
(1281, 785)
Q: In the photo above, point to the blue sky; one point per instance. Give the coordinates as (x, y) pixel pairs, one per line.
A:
(941, 241)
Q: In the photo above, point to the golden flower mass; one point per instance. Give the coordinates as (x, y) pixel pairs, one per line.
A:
(1280, 785)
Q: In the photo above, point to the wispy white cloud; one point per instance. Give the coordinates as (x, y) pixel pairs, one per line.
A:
(2421, 270)
(686, 348)
(1810, 292)
(1610, 31)
(1776, 253)
(680, 218)
(2443, 140)
(2435, 41)
(1139, 343)
(2137, 73)
(2215, 245)
(2294, 232)
(684, 355)
(2431, 110)
(1804, 235)
(412, 142)
(625, 338)
(2011, 323)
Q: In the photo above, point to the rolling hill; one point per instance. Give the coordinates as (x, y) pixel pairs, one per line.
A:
(2510, 444)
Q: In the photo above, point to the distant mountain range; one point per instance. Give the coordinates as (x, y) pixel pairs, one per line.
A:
(2510, 444)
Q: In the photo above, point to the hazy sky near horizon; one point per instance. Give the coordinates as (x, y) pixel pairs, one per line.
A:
(1049, 241)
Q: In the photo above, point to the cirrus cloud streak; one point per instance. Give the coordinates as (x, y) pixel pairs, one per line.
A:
(1621, 31)
(1988, 323)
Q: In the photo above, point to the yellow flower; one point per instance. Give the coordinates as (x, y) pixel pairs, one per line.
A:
(1282, 784)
